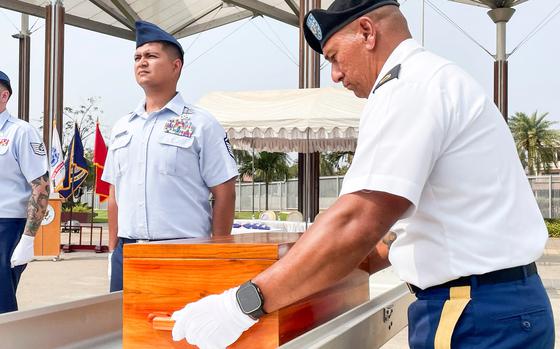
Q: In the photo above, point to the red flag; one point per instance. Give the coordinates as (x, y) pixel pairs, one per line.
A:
(99, 156)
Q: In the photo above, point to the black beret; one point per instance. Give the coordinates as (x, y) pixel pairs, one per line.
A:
(320, 25)
(149, 32)
(5, 81)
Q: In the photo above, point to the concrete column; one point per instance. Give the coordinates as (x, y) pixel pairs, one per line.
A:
(308, 163)
(501, 16)
(24, 37)
(54, 69)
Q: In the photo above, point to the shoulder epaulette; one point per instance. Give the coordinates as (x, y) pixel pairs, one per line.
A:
(392, 74)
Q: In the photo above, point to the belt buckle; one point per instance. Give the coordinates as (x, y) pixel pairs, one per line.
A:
(142, 241)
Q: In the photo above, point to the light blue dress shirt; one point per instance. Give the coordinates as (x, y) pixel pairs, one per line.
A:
(162, 165)
(23, 158)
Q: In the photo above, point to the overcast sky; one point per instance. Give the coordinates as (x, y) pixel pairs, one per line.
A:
(261, 54)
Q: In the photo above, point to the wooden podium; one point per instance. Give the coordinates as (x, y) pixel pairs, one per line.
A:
(161, 277)
(47, 240)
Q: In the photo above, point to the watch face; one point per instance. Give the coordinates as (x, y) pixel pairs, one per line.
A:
(248, 299)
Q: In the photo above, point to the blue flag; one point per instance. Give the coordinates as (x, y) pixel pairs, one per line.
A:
(76, 166)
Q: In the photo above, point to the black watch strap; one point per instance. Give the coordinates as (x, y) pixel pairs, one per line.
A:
(250, 300)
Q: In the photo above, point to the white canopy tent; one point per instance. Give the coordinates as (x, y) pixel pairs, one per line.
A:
(301, 120)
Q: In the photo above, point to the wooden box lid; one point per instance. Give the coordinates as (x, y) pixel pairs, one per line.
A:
(242, 246)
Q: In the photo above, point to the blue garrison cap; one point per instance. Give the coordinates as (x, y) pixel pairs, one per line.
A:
(149, 32)
(5, 80)
(320, 25)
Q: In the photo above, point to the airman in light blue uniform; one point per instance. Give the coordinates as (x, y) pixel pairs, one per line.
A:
(23, 160)
(166, 158)
(162, 165)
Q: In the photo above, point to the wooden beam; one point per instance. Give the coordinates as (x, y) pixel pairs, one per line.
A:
(39, 11)
(126, 10)
(195, 29)
(111, 12)
(293, 6)
(267, 10)
(195, 19)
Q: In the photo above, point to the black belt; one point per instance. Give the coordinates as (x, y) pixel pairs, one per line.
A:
(133, 241)
(493, 277)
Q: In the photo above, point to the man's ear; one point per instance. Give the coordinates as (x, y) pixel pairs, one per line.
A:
(4, 94)
(368, 32)
(178, 65)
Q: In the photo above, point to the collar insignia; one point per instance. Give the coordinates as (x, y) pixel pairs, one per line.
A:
(392, 74)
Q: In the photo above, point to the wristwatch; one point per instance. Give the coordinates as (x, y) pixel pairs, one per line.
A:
(250, 300)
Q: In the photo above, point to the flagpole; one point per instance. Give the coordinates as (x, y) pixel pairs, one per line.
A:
(71, 164)
(92, 204)
(51, 178)
(93, 190)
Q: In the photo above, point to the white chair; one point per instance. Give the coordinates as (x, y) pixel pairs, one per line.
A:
(268, 216)
(294, 216)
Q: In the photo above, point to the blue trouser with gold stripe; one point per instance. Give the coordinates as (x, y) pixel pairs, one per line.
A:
(514, 315)
(11, 230)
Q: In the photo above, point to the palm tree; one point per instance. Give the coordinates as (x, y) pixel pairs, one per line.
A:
(536, 142)
(244, 161)
(335, 163)
(267, 167)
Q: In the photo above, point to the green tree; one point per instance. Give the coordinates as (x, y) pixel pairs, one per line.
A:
(85, 116)
(536, 142)
(244, 161)
(335, 163)
(267, 167)
(293, 171)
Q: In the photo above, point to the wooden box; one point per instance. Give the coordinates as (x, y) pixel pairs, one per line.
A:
(162, 277)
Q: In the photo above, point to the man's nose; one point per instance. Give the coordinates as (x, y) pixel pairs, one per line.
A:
(336, 74)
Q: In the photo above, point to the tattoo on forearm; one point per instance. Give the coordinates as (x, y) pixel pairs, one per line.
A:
(37, 204)
(389, 238)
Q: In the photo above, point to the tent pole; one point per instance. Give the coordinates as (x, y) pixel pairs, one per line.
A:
(307, 190)
(309, 77)
(253, 178)
(24, 37)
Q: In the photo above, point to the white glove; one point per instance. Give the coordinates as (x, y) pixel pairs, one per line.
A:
(109, 257)
(24, 251)
(214, 322)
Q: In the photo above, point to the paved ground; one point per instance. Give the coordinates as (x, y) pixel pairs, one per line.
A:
(80, 275)
(75, 276)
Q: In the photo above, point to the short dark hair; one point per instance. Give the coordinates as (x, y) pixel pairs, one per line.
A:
(172, 50)
(5, 86)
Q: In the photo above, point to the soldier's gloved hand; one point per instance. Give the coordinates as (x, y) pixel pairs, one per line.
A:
(24, 252)
(214, 322)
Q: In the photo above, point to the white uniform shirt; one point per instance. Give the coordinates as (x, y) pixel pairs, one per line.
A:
(433, 137)
(22, 159)
(162, 165)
